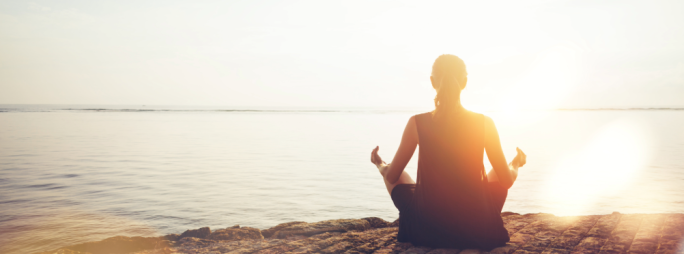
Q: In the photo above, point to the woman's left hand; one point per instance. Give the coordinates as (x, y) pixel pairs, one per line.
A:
(520, 158)
(375, 158)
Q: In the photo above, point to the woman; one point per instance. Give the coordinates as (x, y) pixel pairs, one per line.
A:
(454, 204)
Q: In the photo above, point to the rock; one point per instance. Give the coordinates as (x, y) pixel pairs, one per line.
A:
(470, 251)
(504, 214)
(417, 250)
(194, 241)
(308, 229)
(672, 235)
(376, 222)
(171, 237)
(236, 233)
(199, 233)
(395, 223)
(646, 239)
(269, 232)
(235, 226)
(508, 248)
(444, 251)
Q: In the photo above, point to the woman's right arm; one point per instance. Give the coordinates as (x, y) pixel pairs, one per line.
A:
(506, 173)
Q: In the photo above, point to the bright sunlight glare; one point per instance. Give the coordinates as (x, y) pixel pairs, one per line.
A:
(602, 168)
(551, 78)
(546, 84)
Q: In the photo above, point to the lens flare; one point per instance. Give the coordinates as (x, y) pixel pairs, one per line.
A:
(602, 168)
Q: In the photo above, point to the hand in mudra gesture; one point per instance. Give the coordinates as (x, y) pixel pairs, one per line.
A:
(520, 159)
(375, 158)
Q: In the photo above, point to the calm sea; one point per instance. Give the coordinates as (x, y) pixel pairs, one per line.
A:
(75, 174)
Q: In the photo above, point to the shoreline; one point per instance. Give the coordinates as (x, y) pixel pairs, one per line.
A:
(530, 233)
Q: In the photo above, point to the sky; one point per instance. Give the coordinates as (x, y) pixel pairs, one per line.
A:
(519, 54)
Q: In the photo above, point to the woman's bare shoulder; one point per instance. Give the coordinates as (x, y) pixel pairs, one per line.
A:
(488, 121)
(412, 119)
(425, 114)
(417, 117)
(476, 114)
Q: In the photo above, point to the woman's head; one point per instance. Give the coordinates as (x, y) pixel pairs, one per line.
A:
(448, 77)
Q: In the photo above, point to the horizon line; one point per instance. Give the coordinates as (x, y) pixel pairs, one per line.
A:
(267, 109)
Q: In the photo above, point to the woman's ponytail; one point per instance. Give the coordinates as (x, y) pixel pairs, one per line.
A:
(446, 72)
(448, 95)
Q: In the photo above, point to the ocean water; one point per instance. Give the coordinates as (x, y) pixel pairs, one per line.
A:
(76, 174)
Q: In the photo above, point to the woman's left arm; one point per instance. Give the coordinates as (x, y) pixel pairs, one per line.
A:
(409, 141)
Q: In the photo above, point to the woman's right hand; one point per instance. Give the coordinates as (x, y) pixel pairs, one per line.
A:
(375, 158)
(520, 159)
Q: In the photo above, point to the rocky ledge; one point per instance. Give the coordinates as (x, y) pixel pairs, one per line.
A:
(530, 233)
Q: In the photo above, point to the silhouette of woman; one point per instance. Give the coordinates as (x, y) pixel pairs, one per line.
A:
(454, 203)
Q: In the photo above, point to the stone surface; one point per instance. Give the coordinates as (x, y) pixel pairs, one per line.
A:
(199, 233)
(308, 229)
(530, 233)
(376, 222)
(172, 237)
(236, 233)
(269, 232)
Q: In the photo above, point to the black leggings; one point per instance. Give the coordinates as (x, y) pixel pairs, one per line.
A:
(402, 195)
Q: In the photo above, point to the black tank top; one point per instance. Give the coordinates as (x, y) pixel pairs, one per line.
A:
(452, 203)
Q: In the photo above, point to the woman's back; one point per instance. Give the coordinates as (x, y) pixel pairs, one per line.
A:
(452, 201)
